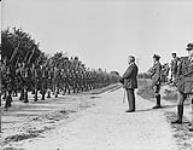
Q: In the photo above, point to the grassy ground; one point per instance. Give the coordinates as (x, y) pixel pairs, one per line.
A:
(145, 88)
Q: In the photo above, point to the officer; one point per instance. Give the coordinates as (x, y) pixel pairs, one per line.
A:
(184, 82)
(173, 66)
(156, 79)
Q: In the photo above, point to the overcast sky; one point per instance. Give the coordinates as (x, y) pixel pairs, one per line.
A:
(102, 33)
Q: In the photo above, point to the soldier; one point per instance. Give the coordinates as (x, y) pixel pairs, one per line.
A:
(156, 80)
(44, 77)
(9, 87)
(50, 78)
(37, 81)
(173, 66)
(26, 83)
(184, 82)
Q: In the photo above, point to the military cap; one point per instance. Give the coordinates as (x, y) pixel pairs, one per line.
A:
(189, 46)
(156, 56)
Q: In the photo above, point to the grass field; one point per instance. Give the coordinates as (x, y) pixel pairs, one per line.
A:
(145, 90)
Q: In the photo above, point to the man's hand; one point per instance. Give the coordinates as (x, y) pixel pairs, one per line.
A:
(121, 80)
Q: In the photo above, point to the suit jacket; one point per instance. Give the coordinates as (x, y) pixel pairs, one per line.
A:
(129, 78)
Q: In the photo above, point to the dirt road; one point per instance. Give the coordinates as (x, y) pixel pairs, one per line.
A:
(106, 126)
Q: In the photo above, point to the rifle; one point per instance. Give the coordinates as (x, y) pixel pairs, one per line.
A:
(31, 55)
(15, 51)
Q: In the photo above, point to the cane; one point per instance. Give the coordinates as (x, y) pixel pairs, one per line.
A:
(124, 96)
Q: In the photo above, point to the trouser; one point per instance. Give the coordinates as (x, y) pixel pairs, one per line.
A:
(131, 98)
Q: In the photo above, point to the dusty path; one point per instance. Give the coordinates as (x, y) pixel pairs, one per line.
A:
(106, 126)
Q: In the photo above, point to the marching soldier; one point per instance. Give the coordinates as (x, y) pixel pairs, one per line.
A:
(9, 88)
(184, 82)
(156, 80)
(50, 78)
(44, 76)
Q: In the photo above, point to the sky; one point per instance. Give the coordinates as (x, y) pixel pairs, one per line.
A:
(103, 33)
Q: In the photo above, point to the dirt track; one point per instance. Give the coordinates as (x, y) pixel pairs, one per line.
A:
(106, 126)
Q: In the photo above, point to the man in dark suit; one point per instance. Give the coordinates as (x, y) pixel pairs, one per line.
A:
(129, 81)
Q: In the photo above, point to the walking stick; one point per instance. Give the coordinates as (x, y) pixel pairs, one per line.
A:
(124, 96)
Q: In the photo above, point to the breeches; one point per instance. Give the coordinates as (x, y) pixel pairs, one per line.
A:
(181, 98)
(156, 89)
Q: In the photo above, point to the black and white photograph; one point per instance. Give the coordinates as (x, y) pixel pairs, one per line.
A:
(96, 75)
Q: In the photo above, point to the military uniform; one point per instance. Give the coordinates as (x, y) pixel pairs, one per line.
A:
(173, 65)
(184, 82)
(156, 80)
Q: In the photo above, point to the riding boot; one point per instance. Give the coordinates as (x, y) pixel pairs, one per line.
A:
(179, 115)
(158, 102)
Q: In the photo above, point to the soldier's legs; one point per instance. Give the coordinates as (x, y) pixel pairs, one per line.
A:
(49, 93)
(180, 107)
(8, 100)
(21, 95)
(25, 95)
(156, 90)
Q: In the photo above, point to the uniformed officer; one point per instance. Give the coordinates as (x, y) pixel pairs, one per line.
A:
(156, 80)
(184, 82)
(173, 66)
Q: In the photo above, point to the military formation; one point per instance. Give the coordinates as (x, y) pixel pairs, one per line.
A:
(25, 69)
(72, 77)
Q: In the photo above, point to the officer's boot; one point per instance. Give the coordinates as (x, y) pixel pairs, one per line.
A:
(179, 115)
(22, 95)
(158, 102)
(26, 96)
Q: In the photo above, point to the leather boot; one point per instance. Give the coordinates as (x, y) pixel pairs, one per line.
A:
(158, 102)
(179, 115)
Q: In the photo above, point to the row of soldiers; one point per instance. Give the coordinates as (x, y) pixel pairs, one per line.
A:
(69, 76)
